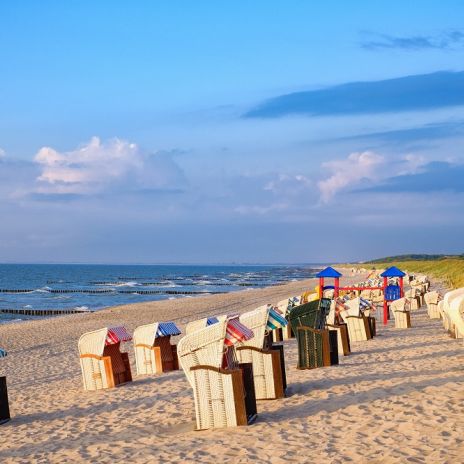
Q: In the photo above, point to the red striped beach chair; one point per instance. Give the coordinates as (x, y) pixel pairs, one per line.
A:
(267, 360)
(102, 363)
(223, 389)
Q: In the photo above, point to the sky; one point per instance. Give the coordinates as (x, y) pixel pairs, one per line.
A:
(230, 132)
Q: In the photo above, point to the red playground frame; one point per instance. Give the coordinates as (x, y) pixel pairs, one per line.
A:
(390, 292)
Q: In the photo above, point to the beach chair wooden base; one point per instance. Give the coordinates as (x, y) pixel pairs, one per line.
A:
(158, 358)
(120, 376)
(108, 371)
(402, 319)
(372, 326)
(4, 406)
(415, 303)
(267, 370)
(433, 312)
(280, 349)
(224, 397)
(343, 340)
(358, 328)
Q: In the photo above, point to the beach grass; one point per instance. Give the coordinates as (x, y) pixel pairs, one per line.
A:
(449, 270)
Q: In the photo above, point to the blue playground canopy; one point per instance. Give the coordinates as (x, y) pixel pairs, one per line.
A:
(329, 272)
(392, 272)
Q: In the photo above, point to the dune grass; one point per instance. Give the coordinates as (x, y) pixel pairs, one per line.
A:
(449, 270)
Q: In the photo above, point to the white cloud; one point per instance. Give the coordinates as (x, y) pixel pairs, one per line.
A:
(2, 153)
(100, 166)
(349, 172)
(285, 184)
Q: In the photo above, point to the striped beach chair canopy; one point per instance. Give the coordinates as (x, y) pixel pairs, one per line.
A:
(2, 353)
(236, 332)
(365, 304)
(116, 335)
(276, 320)
(166, 329)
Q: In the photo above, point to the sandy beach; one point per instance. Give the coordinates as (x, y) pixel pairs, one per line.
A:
(398, 398)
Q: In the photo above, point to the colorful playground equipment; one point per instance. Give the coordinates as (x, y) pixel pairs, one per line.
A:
(391, 292)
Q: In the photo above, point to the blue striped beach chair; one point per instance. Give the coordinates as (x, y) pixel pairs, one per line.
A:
(154, 352)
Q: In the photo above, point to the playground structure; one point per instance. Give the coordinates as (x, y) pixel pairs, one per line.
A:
(390, 292)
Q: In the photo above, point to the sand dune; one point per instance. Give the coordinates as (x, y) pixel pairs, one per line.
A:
(398, 398)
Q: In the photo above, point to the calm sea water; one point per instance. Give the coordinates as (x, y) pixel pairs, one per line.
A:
(98, 286)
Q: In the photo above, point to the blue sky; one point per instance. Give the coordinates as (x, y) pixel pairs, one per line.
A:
(241, 132)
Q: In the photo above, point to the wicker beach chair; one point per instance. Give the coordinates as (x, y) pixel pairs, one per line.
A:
(413, 295)
(445, 306)
(359, 329)
(284, 306)
(317, 345)
(267, 360)
(4, 405)
(432, 299)
(193, 326)
(401, 313)
(154, 352)
(223, 389)
(335, 323)
(102, 363)
(456, 314)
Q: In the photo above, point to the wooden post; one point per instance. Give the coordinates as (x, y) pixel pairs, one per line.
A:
(321, 287)
(401, 287)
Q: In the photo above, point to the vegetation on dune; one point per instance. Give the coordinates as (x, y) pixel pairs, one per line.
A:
(449, 270)
(414, 257)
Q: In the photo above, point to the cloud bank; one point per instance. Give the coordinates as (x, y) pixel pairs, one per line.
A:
(409, 93)
(447, 40)
(96, 167)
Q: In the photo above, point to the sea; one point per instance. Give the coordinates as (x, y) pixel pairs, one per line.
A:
(93, 287)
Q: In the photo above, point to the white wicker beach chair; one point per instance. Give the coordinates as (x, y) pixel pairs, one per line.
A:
(358, 323)
(432, 299)
(154, 352)
(414, 298)
(223, 391)
(401, 313)
(193, 326)
(343, 337)
(284, 333)
(448, 298)
(268, 362)
(102, 363)
(456, 314)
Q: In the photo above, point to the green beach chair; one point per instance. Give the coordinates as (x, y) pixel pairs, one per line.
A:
(317, 345)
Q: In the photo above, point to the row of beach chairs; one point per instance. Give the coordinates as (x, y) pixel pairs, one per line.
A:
(232, 361)
(103, 364)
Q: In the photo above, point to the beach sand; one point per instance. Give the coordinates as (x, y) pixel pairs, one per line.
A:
(398, 398)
